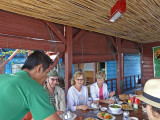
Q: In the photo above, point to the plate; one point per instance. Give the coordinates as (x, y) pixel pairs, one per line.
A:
(113, 117)
(128, 109)
(133, 118)
(90, 118)
(120, 112)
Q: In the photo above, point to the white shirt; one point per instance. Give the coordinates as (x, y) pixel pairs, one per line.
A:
(75, 98)
(94, 91)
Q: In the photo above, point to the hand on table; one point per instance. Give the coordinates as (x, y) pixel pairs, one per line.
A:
(59, 112)
(110, 101)
(83, 107)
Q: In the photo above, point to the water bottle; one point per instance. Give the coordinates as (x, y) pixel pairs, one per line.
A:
(125, 115)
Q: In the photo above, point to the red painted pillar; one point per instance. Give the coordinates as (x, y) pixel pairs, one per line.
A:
(68, 57)
(120, 68)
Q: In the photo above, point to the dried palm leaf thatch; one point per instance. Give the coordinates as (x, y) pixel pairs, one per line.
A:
(140, 23)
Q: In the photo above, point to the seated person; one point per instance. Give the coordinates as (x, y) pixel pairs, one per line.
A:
(99, 91)
(151, 97)
(77, 96)
(56, 94)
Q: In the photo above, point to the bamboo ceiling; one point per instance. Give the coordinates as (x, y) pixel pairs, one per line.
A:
(140, 23)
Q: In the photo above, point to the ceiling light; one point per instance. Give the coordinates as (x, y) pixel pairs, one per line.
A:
(117, 10)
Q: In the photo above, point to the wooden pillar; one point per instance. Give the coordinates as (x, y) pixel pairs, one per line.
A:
(68, 57)
(95, 71)
(120, 71)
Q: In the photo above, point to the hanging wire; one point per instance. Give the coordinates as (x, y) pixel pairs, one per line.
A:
(53, 44)
(112, 48)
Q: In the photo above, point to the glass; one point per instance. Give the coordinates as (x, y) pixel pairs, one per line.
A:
(54, 79)
(144, 104)
(79, 79)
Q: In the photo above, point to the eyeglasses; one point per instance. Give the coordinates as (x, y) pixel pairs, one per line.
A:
(54, 79)
(144, 105)
(79, 79)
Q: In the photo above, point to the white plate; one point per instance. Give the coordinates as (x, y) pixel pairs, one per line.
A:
(133, 118)
(113, 117)
(120, 112)
(91, 117)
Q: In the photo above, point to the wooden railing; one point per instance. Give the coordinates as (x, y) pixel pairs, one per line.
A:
(128, 82)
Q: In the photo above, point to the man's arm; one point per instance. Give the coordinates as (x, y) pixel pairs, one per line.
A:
(54, 116)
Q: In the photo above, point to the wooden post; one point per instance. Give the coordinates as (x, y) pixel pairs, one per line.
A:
(68, 57)
(119, 65)
(130, 82)
(126, 83)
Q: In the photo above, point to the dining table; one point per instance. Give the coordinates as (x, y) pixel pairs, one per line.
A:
(138, 113)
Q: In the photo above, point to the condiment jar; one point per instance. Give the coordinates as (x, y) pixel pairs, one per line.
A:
(130, 103)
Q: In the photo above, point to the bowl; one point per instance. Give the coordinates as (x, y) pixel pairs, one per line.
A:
(119, 102)
(95, 105)
(115, 108)
(103, 109)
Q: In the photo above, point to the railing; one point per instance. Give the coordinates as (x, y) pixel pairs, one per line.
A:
(128, 82)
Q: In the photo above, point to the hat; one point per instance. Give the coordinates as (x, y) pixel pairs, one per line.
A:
(151, 93)
(52, 73)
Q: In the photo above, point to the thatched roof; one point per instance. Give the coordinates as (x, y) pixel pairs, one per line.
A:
(140, 23)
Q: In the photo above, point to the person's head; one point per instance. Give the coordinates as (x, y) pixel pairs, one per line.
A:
(38, 65)
(100, 76)
(52, 78)
(78, 78)
(151, 96)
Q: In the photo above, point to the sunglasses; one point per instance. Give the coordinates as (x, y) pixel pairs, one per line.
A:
(144, 105)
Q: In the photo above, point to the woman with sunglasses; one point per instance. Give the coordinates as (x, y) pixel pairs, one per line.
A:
(77, 97)
(151, 97)
(99, 90)
(56, 94)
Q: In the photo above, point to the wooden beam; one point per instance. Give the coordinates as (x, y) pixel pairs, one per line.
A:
(112, 41)
(120, 73)
(29, 44)
(91, 58)
(56, 31)
(68, 57)
(15, 52)
(82, 32)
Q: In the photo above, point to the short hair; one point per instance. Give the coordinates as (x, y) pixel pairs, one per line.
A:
(155, 110)
(36, 58)
(100, 75)
(78, 74)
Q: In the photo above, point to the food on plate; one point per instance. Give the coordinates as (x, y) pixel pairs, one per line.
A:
(125, 106)
(104, 115)
(115, 106)
(89, 119)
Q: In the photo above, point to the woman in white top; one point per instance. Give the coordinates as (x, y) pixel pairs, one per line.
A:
(99, 91)
(77, 96)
